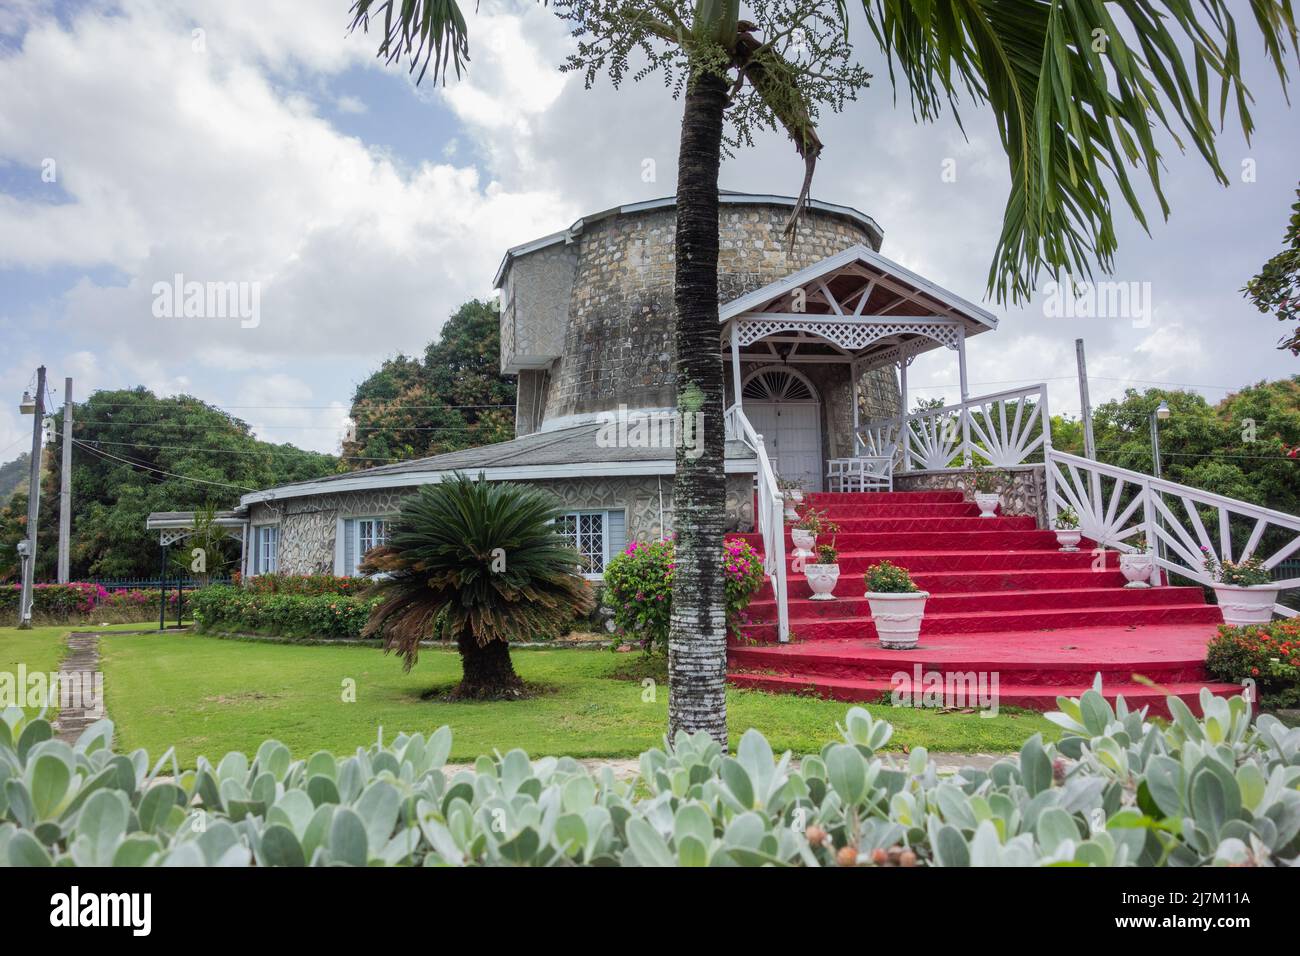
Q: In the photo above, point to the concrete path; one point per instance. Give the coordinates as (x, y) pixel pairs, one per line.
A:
(81, 666)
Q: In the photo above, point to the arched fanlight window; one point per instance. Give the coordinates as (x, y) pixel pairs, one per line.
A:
(777, 385)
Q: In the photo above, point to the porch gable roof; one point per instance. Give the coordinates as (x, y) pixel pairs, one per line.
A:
(876, 271)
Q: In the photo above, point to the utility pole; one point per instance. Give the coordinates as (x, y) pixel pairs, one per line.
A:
(1085, 405)
(65, 485)
(33, 504)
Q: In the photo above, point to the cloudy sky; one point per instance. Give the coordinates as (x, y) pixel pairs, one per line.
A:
(254, 142)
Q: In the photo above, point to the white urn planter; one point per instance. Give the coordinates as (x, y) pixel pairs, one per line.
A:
(796, 495)
(1137, 567)
(897, 617)
(804, 542)
(822, 579)
(1246, 605)
(988, 502)
(1069, 538)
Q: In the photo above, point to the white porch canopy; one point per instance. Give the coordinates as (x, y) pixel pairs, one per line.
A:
(856, 307)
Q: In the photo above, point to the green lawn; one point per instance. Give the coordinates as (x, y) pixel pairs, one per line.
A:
(209, 696)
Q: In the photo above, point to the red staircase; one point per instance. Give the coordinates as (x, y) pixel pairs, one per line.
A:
(1003, 599)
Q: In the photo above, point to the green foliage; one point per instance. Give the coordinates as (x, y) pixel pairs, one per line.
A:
(285, 614)
(455, 398)
(309, 584)
(13, 476)
(1067, 519)
(827, 554)
(989, 481)
(814, 521)
(112, 498)
(1276, 288)
(888, 578)
(1248, 573)
(483, 559)
(639, 588)
(1116, 791)
(1267, 654)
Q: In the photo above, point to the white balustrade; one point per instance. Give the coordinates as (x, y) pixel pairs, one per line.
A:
(770, 518)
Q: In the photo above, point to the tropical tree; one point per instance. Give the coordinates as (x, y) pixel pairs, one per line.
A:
(480, 563)
(1276, 288)
(1077, 90)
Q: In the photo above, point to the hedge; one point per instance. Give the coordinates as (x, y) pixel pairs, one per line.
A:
(1266, 654)
(85, 601)
(225, 608)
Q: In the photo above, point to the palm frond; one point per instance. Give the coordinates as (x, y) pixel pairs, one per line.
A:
(420, 31)
(1077, 88)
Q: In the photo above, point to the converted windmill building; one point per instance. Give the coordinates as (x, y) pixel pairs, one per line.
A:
(813, 337)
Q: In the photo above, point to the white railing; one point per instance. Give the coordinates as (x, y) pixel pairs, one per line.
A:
(770, 518)
(1002, 429)
(1115, 505)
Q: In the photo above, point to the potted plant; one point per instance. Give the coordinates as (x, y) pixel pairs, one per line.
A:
(897, 605)
(1066, 526)
(823, 575)
(1244, 589)
(804, 532)
(987, 491)
(792, 489)
(1138, 564)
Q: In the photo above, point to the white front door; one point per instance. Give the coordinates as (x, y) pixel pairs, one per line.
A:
(791, 435)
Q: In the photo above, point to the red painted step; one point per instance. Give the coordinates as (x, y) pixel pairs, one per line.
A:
(1004, 599)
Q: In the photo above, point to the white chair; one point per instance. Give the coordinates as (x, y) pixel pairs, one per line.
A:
(863, 472)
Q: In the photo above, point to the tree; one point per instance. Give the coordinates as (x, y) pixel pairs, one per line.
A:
(1074, 100)
(134, 453)
(456, 398)
(1276, 288)
(484, 563)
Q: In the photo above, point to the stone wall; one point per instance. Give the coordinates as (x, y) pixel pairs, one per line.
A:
(308, 525)
(618, 345)
(1026, 493)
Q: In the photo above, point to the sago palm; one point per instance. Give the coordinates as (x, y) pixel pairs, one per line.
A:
(484, 564)
(1078, 88)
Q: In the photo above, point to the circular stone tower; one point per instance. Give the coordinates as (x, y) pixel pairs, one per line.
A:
(587, 314)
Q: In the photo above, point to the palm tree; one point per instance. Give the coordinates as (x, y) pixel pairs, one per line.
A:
(1076, 87)
(481, 563)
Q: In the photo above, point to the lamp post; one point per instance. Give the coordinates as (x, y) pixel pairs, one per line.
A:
(1160, 414)
(36, 408)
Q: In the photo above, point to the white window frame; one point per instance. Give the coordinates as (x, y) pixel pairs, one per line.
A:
(605, 556)
(383, 521)
(259, 549)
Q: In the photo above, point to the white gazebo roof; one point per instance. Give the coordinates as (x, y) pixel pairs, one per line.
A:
(859, 304)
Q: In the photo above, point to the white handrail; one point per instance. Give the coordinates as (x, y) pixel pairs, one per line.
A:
(771, 514)
(1136, 503)
(998, 427)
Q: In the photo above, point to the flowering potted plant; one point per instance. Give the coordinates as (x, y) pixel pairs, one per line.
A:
(1066, 526)
(804, 533)
(987, 491)
(792, 489)
(1138, 564)
(823, 575)
(1244, 589)
(897, 605)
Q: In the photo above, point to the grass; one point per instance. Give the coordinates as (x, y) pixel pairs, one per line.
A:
(208, 696)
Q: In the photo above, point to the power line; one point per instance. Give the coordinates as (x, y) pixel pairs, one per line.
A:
(235, 451)
(140, 464)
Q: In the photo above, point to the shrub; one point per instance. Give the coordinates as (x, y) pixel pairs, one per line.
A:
(1248, 573)
(889, 578)
(1067, 519)
(815, 522)
(1268, 654)
(224, 608)
(639, 588)
(81, 600)
(1117, 790)
(309, 584)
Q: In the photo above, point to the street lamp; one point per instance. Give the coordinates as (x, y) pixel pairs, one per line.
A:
(28, 405)
(1159, 415)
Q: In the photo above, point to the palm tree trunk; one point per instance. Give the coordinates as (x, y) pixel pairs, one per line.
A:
(486, 669)
(697, 639)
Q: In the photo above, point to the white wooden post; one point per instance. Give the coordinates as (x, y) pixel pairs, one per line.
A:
(965, 394)
(735, 362)
(902, 413)
(856, 378)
